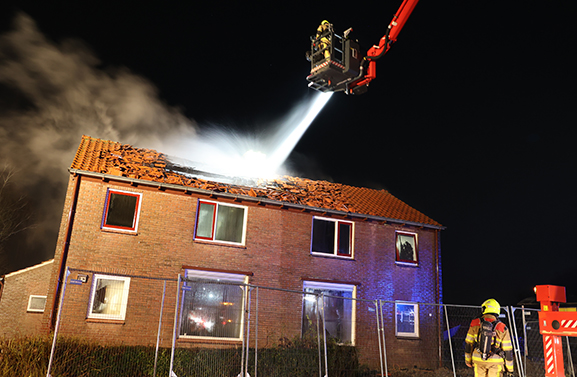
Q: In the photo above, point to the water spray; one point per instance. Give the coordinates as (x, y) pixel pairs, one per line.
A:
(232, 154)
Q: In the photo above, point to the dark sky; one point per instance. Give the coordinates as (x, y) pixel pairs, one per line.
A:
(470, 120)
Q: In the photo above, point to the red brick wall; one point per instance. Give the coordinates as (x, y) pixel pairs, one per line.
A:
(15, 320)
(277, 252)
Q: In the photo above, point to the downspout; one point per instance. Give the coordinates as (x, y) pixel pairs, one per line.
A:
(439, 269)
(66, 246)
(439, 295)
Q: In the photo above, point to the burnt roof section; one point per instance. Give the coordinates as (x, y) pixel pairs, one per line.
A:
(123, 160)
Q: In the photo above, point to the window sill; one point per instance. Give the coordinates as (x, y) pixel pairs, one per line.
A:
(407, 264)
(108, 321)
(119, 231)
(216, 243)
(208, 340)
(331, 256)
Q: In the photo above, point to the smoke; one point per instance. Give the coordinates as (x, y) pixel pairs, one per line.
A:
(50, 95)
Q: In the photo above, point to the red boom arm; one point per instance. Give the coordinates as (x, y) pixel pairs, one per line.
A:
(389, 38)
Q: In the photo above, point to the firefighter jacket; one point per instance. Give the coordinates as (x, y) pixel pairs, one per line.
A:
(502, 347)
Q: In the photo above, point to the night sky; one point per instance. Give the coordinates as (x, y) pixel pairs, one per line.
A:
(470, 120)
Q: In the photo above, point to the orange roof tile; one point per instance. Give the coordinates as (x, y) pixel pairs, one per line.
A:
(112, 158)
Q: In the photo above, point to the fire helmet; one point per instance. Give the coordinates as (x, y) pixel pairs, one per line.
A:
(491, 306)
(324, 22)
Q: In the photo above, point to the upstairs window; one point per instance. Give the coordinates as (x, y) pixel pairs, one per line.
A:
(221, 222)
(121, 210)
(407, 248)
(332, 237)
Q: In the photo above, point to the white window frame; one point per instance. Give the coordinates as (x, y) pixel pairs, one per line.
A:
(215, 221)
(134, 228)
(123, 303)
(415, 245)
(33, 310)
(216, 276)
(335, 252)
(407, 334)
(336, 287)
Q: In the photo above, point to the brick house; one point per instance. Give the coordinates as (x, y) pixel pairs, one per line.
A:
(133, 213)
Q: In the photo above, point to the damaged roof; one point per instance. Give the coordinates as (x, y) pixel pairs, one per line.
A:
(123, 160)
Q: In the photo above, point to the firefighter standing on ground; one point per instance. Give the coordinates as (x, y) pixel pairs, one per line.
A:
(501, 355)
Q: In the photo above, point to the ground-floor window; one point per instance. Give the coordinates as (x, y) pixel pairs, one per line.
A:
(212, 304)
(36, 303)
(109, 297)
(338, 310)
(407, 319)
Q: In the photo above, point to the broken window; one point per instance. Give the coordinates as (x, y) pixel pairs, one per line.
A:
(332, 237)
(109, 297)
(213, 305)
(406, 245)
(221, 222)
(338, 310)
(121, 210)
(36, 303)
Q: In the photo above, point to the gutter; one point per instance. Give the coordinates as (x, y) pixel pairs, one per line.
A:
(250, 199)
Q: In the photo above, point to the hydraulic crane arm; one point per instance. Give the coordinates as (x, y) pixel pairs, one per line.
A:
(385, 43)
(337, 64)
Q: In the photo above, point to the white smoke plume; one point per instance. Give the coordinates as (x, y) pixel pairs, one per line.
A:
(52, 93)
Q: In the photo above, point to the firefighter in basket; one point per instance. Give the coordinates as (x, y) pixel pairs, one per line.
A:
(321, 36)
(488, 347)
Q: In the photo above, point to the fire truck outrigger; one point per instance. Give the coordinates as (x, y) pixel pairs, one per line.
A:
(553, 324)
(337, 63)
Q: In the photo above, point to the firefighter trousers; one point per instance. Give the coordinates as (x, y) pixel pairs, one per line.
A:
(488, 369)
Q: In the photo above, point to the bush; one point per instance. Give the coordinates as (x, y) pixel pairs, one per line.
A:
(78, 358)
(25, 356)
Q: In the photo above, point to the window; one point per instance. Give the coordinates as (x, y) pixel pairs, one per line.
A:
(109, 297)
(221, 222)
(121, 210)
(36, 303)
(212, 305)
(406, 246)
(339, 310)
(333, 237)
(407, 320)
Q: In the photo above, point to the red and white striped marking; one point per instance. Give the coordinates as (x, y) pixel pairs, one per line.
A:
(549, 354)
(569, 324)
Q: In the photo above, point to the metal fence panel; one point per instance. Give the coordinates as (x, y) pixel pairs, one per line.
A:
(91, 335)
(183, 327)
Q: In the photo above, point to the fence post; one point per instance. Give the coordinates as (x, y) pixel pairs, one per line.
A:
(515, 340)
(570, 357)
(244, 371)
(159, 329)
(170, 372)
(376, 302)
(324, 333)
(450, 341)
(256, 336)
(57, 323)
(318, 335)
(525, 347)
(383, 335)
